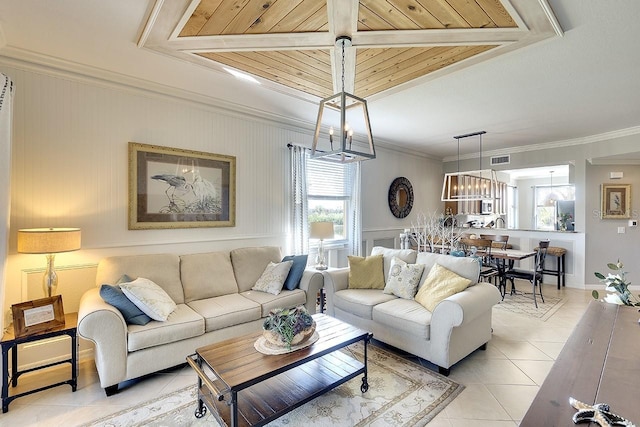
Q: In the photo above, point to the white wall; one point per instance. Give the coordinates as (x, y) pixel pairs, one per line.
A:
(6, 109)
(379, 224)
(604, 243)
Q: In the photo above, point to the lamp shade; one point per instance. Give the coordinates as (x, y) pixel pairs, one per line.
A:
(48, 240)
(321, 230)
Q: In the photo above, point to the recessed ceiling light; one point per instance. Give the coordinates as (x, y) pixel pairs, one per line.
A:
(241, 76)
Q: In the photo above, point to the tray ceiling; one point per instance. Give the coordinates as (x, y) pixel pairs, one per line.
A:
(289, 44)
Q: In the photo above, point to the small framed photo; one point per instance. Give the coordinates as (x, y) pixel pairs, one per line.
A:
(616, 201)
(175, 188)
(37, 316)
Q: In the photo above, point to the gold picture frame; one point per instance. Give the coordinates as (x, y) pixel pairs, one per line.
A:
(176, 188)
(37, 316)
(616, 201)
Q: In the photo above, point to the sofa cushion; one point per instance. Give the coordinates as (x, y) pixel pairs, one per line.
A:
(149, 297)
(207, 275)
(297, 270)
(182, 323)
(405, 315)
(249, 263)
(132, 314)
(360, 302)
(406, 255)
(366, 273)
(403, 278)
(465, 267)
(226, 310)
(440, 284)
(272, 279)
(162, 269)
(284, 299)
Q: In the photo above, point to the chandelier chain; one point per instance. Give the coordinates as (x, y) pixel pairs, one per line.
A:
(343, 65)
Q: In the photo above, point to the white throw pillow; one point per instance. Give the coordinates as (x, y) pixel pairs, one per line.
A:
(403, 278)
(273, 277)
(150, 298)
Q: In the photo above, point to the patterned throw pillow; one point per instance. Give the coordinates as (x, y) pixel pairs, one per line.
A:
(440, 284)
(366, 273)
(403, 278)
(273, 277)
(150, 298)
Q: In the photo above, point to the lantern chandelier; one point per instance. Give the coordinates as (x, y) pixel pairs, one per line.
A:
(481, 184)
(347, 118)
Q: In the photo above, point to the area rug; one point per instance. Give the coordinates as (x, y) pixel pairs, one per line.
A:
(401, 393)
(523, 304)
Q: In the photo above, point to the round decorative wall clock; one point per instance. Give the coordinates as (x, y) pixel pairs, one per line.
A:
(400, 197)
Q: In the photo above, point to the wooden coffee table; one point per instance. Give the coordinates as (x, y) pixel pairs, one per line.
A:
(243, 387)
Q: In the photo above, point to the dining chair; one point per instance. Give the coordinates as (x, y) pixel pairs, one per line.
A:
(480, 249)
(501, 240)
(535, 276)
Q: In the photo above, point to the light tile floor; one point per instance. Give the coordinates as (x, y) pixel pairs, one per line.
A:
(501, 382)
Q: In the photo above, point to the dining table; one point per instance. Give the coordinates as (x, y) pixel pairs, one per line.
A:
(505, 260)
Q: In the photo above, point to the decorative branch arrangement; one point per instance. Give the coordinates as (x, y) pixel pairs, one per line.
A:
(434, 230)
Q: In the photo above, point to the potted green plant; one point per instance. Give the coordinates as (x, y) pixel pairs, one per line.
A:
(286, 327)
(563, 219)
(618, 285)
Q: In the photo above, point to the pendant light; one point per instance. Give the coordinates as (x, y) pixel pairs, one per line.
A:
(477, 185)
(347, 119)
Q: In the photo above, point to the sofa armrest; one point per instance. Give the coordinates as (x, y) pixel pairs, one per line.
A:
(459, 309)
(334, 280)
(311, 282)
(103, 324)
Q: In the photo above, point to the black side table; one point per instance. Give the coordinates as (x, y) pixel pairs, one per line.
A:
(9, 342)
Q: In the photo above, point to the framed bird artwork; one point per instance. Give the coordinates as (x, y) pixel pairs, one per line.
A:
(177, 188)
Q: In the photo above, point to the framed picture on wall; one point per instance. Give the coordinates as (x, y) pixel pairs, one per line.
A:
(616, 201)
(176, 188)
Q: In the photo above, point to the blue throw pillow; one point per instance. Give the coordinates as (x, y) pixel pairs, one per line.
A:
(295, 273)
(113, 295)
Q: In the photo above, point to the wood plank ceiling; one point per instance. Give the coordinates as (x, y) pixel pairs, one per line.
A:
(291, 42)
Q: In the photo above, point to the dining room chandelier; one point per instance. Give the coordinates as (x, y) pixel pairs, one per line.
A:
(476, 185)
(347, 119)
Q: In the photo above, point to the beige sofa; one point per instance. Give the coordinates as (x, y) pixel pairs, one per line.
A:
(457, 326)
(214, 302)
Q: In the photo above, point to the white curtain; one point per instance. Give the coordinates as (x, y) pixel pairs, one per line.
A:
(6, 101)
(299, 216)
(354, 218)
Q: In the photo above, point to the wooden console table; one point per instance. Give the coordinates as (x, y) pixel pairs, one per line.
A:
(598, 364)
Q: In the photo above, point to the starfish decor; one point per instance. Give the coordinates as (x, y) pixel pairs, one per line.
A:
(598, 413)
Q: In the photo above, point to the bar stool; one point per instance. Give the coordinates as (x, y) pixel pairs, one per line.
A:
(559, 272)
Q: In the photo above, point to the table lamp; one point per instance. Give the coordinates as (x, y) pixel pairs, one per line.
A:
(321, 230)
(48, 241)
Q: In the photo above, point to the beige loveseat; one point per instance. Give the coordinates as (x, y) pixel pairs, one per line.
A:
(214, 301)
(458, 325)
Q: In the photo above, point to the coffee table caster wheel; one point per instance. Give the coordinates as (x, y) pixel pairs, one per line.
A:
(365, 385)
(199, 413)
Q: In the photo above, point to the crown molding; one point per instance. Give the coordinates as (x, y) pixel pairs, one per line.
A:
(551, 145)
(36, 62)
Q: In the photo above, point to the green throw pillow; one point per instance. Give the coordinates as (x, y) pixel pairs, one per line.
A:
(366, 273)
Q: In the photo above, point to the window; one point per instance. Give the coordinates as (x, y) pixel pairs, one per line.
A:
(329, 194)
(550, 200)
